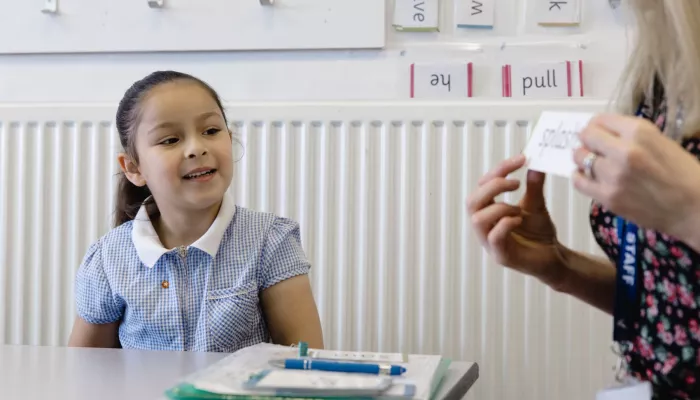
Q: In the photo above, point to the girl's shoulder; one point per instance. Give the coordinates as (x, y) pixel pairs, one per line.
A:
(114, 247)
(247, 218)
(263, 227)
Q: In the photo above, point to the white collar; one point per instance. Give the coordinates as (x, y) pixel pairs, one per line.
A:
(150, 249)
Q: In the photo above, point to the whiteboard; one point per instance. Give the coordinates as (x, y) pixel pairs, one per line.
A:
(81, 26)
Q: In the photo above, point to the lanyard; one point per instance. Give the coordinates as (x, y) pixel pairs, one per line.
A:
(627, 281)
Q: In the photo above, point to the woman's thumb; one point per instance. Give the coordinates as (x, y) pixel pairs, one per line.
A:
(534, 191)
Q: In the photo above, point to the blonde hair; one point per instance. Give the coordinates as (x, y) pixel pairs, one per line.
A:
(667, 48)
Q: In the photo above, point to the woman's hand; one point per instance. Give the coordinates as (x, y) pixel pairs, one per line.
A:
(520, 237)
(641, 175)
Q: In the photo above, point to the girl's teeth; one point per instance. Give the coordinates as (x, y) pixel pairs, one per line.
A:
(198, 174)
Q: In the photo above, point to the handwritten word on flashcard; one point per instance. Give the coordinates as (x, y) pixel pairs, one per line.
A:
(550, 148)
(475, 13)
(545, 80)
(558, 12)
(441, 80)
(416, 15)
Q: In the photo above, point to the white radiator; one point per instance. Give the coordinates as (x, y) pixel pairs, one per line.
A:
(379, 191)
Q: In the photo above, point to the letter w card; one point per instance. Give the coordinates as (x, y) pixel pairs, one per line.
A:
(550, 148)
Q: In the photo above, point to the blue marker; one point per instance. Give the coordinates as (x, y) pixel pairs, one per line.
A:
(334, 366)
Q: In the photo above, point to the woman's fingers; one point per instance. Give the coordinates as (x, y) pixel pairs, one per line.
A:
(484, 220)
(483, 195)
(498, 236)
(504, 169)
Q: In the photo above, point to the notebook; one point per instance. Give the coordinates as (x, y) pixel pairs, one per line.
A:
(227, 378)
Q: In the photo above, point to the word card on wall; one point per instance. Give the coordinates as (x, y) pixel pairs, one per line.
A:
(416, 15)
(543, 80)
(475, 13)
(441, 80)
(558, 12)
(76, 26)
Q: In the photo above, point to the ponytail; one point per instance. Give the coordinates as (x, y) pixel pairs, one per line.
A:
(129, 197)
(128, 200)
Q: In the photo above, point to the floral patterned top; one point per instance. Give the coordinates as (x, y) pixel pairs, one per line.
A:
(666, 348)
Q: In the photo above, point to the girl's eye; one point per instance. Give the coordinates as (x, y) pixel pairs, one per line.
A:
(169, 141)
(212, 131)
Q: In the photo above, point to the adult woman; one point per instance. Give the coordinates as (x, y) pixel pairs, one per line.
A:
(643, 175)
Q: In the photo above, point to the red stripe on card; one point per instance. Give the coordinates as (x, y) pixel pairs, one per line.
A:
(469, 79)
(503, 81)
(509, 81)
(568, 76)
(580, 76)
(412, 76)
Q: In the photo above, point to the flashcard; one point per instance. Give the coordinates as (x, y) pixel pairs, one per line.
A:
(543, 80)
(416, 15)
(475, 14)
(550, 148)
(441, 80)
(558, 13)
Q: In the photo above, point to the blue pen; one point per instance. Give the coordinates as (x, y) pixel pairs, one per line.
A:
(334, 366)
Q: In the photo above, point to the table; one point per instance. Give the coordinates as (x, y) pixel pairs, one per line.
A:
(62, 373)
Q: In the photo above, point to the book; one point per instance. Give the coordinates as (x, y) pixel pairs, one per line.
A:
(226, 379)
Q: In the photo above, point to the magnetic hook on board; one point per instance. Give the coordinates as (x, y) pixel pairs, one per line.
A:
(267, 2)
(50, 7)
(155, 3)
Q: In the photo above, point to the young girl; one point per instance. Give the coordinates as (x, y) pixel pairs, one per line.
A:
(185, 268)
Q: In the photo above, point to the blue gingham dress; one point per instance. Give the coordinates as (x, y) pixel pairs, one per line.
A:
(189, 300)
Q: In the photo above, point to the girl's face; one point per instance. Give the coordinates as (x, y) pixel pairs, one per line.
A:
(184, 147)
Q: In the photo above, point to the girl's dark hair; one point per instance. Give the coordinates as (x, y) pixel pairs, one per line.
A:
(129, 196)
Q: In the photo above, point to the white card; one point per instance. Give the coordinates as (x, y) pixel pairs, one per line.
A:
(633, 390)
(475, 13)
(544, 80)
(416, 15)
(550, 148)
(559, 12)
(441, 80)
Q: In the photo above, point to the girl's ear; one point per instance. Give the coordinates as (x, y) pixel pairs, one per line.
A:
(131, 170)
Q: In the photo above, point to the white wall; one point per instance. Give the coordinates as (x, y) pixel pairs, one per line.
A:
(336, 75)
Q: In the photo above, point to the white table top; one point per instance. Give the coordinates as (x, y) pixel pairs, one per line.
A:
(61, 373)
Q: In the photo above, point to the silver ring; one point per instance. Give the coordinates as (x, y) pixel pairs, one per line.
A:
(588, 165)
(267, 2)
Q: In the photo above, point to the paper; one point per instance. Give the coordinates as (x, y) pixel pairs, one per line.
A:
(357, 356)
(229, 375)
(441, 80)
(475, 13)
(629, 391)
(320, 381)
(420, 370)
(543, 80)
(416, 15)
(558, 12)
(550, 148)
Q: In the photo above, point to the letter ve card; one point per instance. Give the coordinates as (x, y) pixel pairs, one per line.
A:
(543, 80)
(475, 14)
(417, 15)
(550, 148)
(441, 80)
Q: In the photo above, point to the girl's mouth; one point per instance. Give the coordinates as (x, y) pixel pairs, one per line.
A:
(200, 175)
